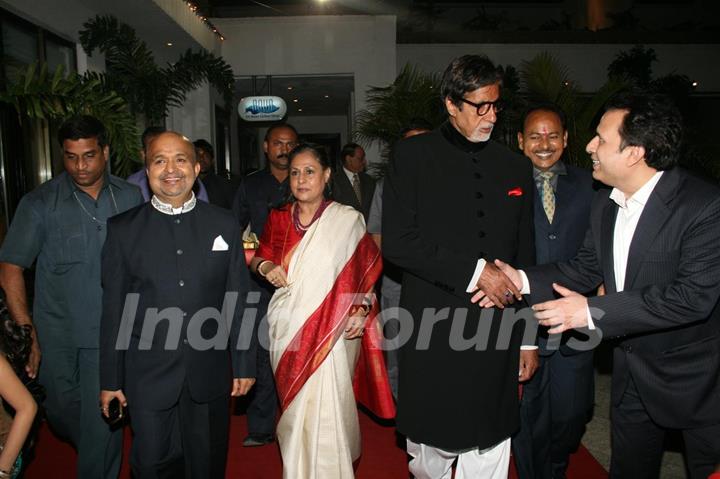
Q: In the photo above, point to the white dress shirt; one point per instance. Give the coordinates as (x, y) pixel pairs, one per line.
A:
(350, 175)
(626, 223)
(629, 212)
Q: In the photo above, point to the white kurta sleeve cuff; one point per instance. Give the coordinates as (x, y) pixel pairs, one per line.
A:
(476, 275)
(525, 283)
(591, 325)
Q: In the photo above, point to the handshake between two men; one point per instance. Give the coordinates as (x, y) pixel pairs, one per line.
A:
(500, 285)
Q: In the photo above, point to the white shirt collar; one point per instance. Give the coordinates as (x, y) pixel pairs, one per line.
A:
(169, 210)
(640, 197)
(349, 174)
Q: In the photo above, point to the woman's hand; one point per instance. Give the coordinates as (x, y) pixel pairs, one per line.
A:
(274, 274)
(356, 322)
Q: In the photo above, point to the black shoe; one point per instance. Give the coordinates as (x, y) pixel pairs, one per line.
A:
(254, 441)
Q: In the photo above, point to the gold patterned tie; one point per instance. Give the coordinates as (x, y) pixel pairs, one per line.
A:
(548, 195)
(356, 187)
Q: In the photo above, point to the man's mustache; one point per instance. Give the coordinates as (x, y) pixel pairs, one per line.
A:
(167, 176)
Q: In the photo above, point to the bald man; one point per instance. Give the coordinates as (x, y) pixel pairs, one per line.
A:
(177, 266)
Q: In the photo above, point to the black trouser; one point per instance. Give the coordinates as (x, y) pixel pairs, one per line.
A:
(263, 402)
(556, 404)
(188, 440)
(262, 408)
(637, 442)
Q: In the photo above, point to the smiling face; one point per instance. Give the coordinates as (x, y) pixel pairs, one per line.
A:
(308, 178)
(543, 139)
(611, 163)
(476, 128)
(171, 168)
(84, 160)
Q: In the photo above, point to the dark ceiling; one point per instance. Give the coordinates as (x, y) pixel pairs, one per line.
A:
(252, 8)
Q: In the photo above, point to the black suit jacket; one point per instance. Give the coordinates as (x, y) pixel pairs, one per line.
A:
(220, 190)
(447, 204)
(560, 240)
(343, 192)
(169, 262)
(667, 319)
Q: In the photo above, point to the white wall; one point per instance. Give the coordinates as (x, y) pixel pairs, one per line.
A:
(587, 63)
(363, 46)
(196, 117)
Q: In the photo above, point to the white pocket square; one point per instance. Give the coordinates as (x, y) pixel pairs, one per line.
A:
(219, 244)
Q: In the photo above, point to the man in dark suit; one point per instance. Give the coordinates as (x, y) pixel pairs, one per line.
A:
(350, 184)
(653, 241)
(174, 288)
(453, 201)
(258, 193)
(220, 190)
(557, 402)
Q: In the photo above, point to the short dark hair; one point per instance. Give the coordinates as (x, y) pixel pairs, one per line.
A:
(468, 73)
(548, 107)
(653, 122)
(348, 150)
(416, 124)
(15, 339)
(149, 133)
(205, 145)
(82, 127)
(277, 126)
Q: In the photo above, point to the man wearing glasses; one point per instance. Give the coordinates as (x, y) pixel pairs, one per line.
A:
(454, 201)
(257, 194)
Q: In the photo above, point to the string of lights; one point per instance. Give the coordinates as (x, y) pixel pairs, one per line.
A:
(194, 8)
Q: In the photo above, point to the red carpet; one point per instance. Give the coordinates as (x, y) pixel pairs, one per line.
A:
(382, 458)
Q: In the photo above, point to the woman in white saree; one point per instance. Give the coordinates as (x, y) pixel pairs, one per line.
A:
(319, 256)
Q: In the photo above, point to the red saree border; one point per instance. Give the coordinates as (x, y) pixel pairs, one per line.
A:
(370, 382)
(314, 341)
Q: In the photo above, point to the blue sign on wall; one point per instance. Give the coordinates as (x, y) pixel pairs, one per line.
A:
(262, 108)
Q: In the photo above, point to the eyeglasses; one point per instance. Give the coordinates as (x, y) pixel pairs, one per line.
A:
(484, 107)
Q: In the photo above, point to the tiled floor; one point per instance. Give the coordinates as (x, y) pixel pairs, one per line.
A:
(597, 436)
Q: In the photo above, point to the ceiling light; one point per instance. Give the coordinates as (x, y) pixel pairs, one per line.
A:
(694, 84)
(169, 44)
(327, 96)
(289, 88)
(299, 109)
(295, 100)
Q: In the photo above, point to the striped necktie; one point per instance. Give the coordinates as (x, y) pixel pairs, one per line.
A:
(356, 187)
